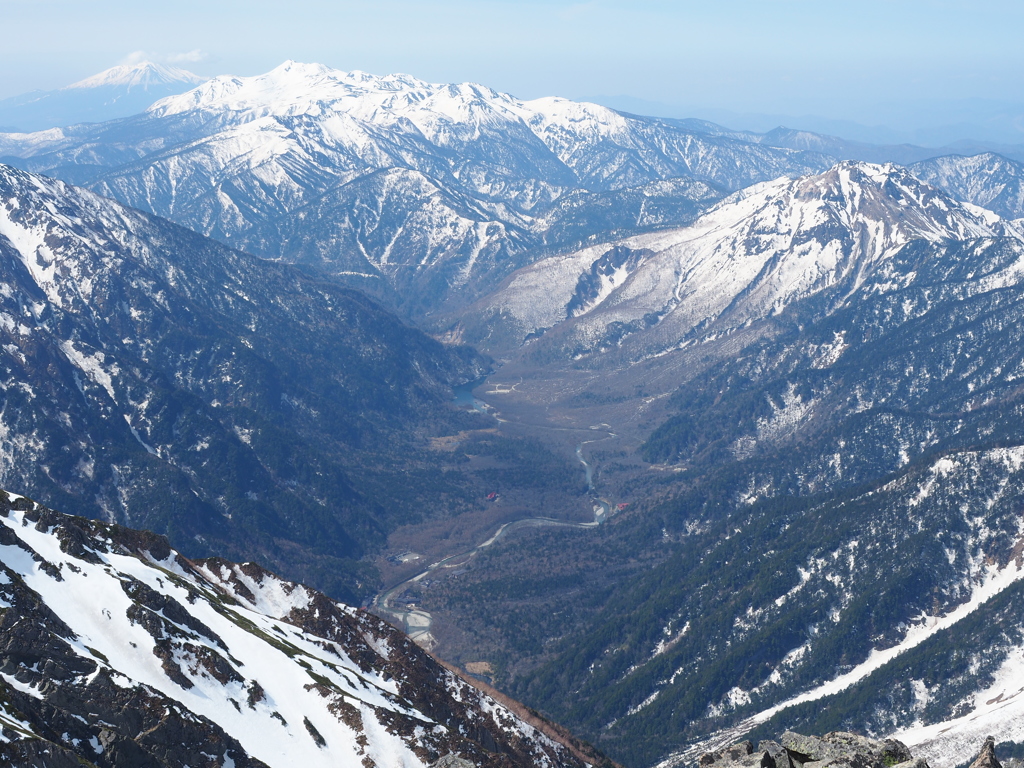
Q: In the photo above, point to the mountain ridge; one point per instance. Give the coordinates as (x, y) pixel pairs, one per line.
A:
(987, 179)
(142, 74)
(212, 663)
(268, 147)
(744, 258)
(827, 491)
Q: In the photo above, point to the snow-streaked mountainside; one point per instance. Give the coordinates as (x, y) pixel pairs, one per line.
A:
(253, 160)
(426, 194)
(841, 545)
(819, 528)
(115, 650)
(989, 180)
(120, 91)
(747, 258)
(156, 378)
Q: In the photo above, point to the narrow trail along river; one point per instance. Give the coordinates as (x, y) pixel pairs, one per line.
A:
(415, 622)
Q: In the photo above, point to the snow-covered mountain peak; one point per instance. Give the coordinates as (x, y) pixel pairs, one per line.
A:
(745, 259)
(118, 92)
(436, 109)
(303, 69)
(845, 177)
(296, 88)
(885, 199)
(143, 74)
(817, 229)
(564, 124)
(243, 158)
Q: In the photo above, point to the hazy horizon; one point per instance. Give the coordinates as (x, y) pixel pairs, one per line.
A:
(909, 68)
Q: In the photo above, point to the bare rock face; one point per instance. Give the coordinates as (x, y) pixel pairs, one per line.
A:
(453, 761)
(987, 758)
(740, 754)
(39, 754)
(840, 748)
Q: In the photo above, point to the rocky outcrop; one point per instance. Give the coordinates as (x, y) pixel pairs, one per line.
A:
(833, 750)
(839, 749)
(987, 758)
(452, 761)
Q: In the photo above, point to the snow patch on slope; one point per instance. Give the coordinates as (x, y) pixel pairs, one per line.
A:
(998, 710)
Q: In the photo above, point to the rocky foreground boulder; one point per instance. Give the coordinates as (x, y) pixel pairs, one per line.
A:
(838, 749)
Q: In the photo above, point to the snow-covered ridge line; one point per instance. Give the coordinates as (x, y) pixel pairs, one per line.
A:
(746, 258)
(124, 624)
(435, 109)
(439, 189)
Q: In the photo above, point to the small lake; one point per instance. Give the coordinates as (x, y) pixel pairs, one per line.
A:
(463, 396)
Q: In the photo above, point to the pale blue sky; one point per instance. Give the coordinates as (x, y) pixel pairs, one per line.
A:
(860, 61)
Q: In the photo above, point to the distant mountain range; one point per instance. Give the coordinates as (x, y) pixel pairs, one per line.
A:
(431, 193)
(986, 179)
(426, 195)
(947, 125)
(120, 91)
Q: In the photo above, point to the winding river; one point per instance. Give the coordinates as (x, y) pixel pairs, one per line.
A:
(415, 622)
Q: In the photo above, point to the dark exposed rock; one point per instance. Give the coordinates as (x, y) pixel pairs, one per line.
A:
(774, 755)
(314, 733)
(255, 695)
(840, 748)
(146, 597)
(588, 287)
(39, 754)
(740, 754)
